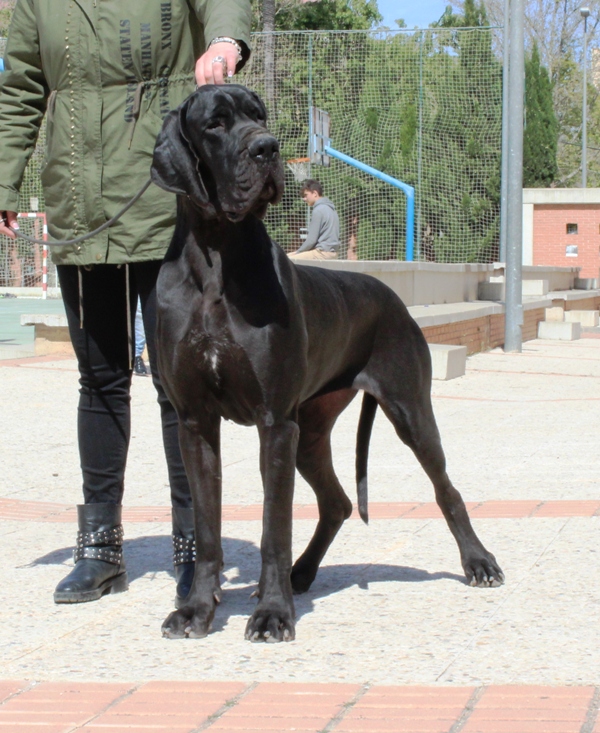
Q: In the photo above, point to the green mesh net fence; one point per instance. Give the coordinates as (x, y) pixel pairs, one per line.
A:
(424, 107)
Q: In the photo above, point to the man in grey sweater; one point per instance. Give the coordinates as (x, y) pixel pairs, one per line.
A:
(323, 238)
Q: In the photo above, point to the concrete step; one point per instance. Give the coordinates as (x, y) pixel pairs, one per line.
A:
(556, 331)
(588, 319)
(495, 289)
(555, 314)
(448, 362)
(536, 287)
(51, 333)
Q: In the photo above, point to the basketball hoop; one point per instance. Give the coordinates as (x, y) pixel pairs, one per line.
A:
(300, 168)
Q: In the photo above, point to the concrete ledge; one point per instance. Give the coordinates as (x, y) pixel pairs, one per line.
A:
(587, 319)
(50, 320)
(51, 333)
(536, 287)
(34, 292)
(562, 196)
(432, 283)
(493, 290)
(556, 314)
(570, 296)
(448, 362)
(556, 331)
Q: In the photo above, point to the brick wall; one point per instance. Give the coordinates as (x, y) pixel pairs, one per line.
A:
(550, 236)
(481, 334)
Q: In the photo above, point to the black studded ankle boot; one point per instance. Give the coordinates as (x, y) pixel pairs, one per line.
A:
(99, 566)
(184, 550)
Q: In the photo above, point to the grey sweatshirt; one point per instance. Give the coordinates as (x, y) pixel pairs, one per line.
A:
(324, 229)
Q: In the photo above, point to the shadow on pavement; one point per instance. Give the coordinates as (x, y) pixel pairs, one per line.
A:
(154, 553)
(151, 554)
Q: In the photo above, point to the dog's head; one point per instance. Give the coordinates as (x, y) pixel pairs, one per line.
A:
(215, 148)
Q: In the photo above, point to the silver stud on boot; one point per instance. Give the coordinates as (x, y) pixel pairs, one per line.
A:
(99, 566)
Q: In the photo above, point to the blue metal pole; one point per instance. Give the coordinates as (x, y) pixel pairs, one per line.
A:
(408, 190)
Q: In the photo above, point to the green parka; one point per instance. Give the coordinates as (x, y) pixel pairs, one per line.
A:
(106, 72)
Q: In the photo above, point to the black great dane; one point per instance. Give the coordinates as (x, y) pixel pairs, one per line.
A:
(246, 335)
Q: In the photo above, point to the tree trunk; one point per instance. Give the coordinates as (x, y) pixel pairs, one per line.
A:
(268, 11)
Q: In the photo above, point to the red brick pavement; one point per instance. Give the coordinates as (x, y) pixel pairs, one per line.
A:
(192, 707)
(33, 511)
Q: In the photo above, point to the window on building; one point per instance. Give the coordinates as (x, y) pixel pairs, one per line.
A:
(571, 228)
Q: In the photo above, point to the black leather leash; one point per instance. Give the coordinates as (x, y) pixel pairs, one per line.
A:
(83, 237)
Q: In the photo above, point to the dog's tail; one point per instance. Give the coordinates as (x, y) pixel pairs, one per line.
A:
(365, 425)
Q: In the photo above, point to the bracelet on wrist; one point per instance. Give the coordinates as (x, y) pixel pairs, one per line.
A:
(227, 39)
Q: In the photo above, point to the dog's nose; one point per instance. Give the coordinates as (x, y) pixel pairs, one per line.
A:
(264, 147)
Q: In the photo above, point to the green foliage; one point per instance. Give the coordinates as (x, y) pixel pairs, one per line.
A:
(343, 15)
(291, 15)
(424, 108)
(6, 9)
(540, 141)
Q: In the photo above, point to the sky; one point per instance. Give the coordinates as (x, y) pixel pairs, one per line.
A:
(419, 13)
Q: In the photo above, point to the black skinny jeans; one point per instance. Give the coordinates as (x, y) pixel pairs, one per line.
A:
(101, 347)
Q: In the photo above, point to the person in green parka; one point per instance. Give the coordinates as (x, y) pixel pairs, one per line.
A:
(105, 73)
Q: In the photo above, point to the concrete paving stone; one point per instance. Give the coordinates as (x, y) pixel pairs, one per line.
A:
(8, 688)
(566, 508)
(393, 469)
(411, 725)
(39, 728)
(390, 604)
(555, 713)
(521, 695)
(121, 720)
(43, 717)
(169, 728)
(394, 575)
(523, 726)
(291, 725)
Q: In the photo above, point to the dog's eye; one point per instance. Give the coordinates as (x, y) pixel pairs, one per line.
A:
(215, 124)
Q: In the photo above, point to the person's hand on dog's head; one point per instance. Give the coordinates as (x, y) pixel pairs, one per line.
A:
(8, 222)
(217, 64)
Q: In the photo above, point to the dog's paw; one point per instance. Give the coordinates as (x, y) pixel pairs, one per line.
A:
(187, 622)
(271, 625)
(483, 571)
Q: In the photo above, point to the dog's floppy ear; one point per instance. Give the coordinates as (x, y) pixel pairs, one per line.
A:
(174, 165)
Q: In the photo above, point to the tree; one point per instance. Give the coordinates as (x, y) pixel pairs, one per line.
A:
(540, 140)
(465, 154)
(6, 8)
(316, 14)
(556, 27)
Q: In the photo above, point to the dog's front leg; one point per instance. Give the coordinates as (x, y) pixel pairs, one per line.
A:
(200, 449)
(273, 619)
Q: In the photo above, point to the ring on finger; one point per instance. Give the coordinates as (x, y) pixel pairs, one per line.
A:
(220, 60)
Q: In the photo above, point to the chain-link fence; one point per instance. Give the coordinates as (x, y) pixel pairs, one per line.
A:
(423, 106)
(21, 263)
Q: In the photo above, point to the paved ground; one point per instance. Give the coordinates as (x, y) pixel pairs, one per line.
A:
(389, 638)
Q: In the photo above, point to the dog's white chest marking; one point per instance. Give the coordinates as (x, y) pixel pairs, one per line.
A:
(211, 358)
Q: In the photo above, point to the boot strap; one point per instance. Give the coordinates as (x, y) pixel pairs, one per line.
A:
(113, 536)
(184, 550)
(98, 553)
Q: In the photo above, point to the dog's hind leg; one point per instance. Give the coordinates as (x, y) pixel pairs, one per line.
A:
(412, 417)
(314, 462)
